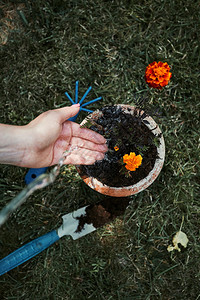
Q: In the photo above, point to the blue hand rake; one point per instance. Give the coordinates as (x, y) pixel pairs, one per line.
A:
(33, 172)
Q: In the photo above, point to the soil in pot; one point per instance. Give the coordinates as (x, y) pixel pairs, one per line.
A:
(129, 133)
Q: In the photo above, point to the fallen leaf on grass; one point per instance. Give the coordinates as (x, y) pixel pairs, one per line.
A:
(179, 238)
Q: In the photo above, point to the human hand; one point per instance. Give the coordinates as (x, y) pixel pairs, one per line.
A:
(52, 134)
(42, 142)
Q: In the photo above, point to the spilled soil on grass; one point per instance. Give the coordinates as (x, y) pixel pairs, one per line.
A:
(103, 212)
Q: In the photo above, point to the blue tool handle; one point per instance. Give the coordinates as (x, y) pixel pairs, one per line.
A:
(33, 173)
(27, 251)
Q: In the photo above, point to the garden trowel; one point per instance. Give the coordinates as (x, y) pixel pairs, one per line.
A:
(76, 224)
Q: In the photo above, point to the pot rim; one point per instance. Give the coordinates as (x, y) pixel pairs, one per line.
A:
(141, 185)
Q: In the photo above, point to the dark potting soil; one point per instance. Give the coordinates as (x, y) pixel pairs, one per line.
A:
(130, 134)
(103, 212)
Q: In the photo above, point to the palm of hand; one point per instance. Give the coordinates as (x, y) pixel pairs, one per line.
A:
(52, 137)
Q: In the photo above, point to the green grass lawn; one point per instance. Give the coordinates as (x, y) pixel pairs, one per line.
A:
(107, 44)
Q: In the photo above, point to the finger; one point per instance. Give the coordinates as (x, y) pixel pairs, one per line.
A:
(87, 134)
(67, 112)
(81, 160)
(82, 143)
(83, 157)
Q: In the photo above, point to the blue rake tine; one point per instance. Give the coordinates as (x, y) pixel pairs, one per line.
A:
(76, 92)
(85, 95)
(92, 101)
(85, 109)
(70, 99)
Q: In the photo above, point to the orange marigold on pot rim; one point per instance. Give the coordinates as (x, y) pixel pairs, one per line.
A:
(132, 161)
(157, 75)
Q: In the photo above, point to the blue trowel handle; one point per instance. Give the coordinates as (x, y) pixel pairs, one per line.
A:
(27, 251)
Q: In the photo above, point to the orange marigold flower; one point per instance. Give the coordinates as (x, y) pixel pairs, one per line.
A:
(157, 75)
(132, 161)
(116, 148)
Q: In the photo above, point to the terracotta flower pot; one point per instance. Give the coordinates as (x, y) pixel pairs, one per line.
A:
(125, 191)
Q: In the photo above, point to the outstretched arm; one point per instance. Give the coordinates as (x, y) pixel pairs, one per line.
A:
(42, 142)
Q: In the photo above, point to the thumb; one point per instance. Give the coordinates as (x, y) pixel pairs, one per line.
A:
(67, 112)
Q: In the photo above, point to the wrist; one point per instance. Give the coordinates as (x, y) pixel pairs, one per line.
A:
(13, 144)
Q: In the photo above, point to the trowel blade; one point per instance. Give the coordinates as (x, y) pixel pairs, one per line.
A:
(87, 219)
